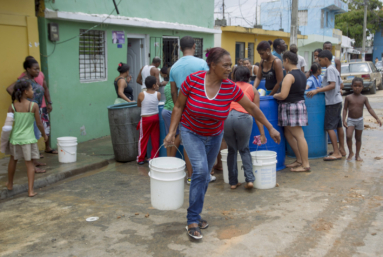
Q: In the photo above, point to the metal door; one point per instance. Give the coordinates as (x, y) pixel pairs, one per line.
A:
(135, 53)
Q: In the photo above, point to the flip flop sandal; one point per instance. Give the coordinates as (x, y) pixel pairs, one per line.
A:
(235, 186)
(200, 224)
(294, 166)
(333, 152)
(191, 232)
(331, 158)
(305, 169)
(51, 151)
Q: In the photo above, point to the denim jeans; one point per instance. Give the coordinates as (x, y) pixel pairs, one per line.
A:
(237, 135)
(202, 152)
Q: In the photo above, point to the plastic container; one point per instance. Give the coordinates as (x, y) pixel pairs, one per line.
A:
(167, 183)
(315, 134)
(262, 84)
(269, 107)
(123, 121)
(264, 167)
(241, 172)
(67, 148)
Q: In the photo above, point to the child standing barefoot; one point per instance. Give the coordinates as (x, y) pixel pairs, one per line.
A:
(23, 143)
(354, 103)
(150, 122)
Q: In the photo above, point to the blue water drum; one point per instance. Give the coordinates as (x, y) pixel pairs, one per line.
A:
(315, 134)
(269, 107)
(261, 85)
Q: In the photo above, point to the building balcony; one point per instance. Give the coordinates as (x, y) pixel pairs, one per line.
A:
(336, 6)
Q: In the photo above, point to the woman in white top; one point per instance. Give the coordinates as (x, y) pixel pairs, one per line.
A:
(149, 125)
(252, 68)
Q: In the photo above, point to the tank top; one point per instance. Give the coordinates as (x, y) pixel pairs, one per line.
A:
(149, 105)
(128, 91)
(297, 90)
(248, 91)
(269, 76)
(145, 73)
(23, 130)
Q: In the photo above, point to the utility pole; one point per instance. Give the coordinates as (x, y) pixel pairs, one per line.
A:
(256, 12)
(223, 9)
(294, 22)
(364, 31)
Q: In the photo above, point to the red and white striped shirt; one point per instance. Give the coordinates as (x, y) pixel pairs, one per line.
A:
(202, 115)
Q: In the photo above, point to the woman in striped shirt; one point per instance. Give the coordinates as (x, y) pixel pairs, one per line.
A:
(202, 107)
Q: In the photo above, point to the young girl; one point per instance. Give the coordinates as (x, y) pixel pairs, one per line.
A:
(315, 79)
(150, 122)
(292, 113)
(23, 143)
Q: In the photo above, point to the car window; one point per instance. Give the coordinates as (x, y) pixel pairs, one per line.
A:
(344, 69)
(359, 67)
(373, 68)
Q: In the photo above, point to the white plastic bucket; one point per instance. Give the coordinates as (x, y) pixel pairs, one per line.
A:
(167, 167)
(67, 148)
(167, 182)
(264, 168)
(241, 172)
(167, 194)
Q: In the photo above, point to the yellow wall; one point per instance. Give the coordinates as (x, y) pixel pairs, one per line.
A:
(230, 38)
(19, 38)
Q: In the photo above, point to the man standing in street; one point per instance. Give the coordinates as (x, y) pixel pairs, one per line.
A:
(185, 66)
(301, 61)
(149, 70)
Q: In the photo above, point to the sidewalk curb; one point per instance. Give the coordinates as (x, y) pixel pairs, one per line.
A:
(53, 178)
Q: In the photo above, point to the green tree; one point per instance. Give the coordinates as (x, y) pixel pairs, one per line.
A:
(351, 22)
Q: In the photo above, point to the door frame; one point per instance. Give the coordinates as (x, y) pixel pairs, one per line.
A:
(145, 54)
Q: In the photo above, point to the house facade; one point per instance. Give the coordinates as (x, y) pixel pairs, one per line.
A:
(378, 45)
(316, 19)
(93, 39)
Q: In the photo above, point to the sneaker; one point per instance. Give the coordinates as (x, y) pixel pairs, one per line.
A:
(141, 163)
(188, 181)
(212, 178)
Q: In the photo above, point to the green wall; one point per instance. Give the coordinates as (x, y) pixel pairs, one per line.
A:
(180, 11)
(78, 104)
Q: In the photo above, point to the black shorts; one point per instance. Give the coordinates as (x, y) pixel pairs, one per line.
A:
(333, 117)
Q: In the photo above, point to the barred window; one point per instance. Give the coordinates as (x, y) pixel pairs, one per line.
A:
(92, 55)
(198, 47)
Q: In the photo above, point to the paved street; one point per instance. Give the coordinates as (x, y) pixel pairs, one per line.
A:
(336, 210)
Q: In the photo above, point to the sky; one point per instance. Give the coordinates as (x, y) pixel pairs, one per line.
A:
(238, 12)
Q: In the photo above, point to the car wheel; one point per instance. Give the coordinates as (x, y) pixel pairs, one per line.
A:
(380, 87)
(373, 89)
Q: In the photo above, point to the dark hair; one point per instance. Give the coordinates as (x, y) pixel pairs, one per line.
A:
(123, 67)
(277, 42)
(356, 79)
(242, 73)
(263, 46)
(215, 55)
(270, 42)
(187, 42)
(257, 64)
(29, 57)
(156, 60)
(19, 89)
(28, 63)
(325, 54)
(314, 68)
(319, 50)
(293, 58)
(246, 59)
(294, 48)
(327, 43)
(150, 81)
(164, 70)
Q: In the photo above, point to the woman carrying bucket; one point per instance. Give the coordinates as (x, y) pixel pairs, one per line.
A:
(201, 107)
(237, 131)
(292, 113)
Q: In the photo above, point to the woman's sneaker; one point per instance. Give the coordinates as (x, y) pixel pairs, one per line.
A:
(188, 181)
(212, 178)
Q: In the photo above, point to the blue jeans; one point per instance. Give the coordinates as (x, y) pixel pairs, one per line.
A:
(202, 152)
(237, 136)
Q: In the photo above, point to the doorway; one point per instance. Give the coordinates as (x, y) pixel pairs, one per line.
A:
(239, 51)
(136, 60)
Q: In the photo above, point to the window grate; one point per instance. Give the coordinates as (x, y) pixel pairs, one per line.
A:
(170, 51)
(92, 55)
(198, 47)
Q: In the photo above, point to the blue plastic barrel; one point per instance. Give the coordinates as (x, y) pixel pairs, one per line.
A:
(315, 134)
(261, 84)
(269, 107)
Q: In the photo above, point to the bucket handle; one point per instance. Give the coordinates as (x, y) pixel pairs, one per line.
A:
(65, 150)
(257, 151)
(170, 145)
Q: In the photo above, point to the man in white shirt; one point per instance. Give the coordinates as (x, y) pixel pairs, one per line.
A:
(301, 61)
(149, 70)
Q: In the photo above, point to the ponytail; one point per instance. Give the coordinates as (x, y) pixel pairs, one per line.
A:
(18, 90)
(314, 68)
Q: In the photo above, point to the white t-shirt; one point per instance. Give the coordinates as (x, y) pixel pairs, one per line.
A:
(301, 62)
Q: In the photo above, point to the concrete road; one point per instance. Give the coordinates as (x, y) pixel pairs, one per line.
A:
(336, 210)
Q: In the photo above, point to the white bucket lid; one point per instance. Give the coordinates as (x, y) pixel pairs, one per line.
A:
(67, 139)
(167, 164)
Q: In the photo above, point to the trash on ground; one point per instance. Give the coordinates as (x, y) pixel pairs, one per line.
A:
(92, 219)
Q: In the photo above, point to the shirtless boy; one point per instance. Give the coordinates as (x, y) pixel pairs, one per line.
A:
(354, 104)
